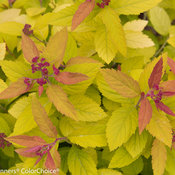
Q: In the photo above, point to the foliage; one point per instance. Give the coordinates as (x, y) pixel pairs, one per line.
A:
(88, 87)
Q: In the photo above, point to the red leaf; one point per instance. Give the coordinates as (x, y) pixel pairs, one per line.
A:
(15, 89)
(145, 114)
(165, 108)
(171, 63)
(156, 74)
(50, 164)
(168, 86)
(24, 152)
(29, 48)
(29, 141)
(70, 78)
(83, 11)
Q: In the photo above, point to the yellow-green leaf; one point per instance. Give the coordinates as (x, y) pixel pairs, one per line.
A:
(121, 83)
(108, 172)
(136, 39)
(2, 50)
(86, 108)
(159, 157)
(56, 46)
(34, 11)
(160, 20)
(171, 39)
(160, 127)
(127, 7)
(80, 162)
(59, 98)
(121, 126)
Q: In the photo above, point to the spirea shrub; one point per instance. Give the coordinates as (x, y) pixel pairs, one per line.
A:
(87, 87)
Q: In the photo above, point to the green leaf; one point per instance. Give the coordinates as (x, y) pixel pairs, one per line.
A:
(121, 126)
(4, 127)
(121, 158)
(59, 98)
(108, 172)
(170, 161)
(85, 134)
(121, 83)
(11, 28)
(114, 28)
(42, 119)
(86, 108)
(80, 162)
(160, 127)
(136, 39)
(136, 143)
(159, 157)
(56, 46)
(160, 20)
(133, 6)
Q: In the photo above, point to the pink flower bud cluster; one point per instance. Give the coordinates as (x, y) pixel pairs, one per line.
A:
(27, 30)
(155, 93)
(103, 3)
(3, 142)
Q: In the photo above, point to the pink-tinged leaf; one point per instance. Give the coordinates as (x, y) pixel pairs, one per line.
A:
(168, 86)
(29, 141)
(29, 48)
(57, 158)
(56, 46)
(15, 89)
(60, 100)
(165, 108)
(40, 90)
(50, 164)
(42, 119)
(166, 93)
(70, 78)
(23, 152)
(145, 114)
(171, 63)
(156, 74)
(83, 11)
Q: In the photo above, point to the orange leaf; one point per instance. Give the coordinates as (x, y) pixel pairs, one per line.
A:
(15, 89)
(23, 152)
(156, 74)
(29, 48)
(145, 114)
(70, 78)
(24, 140)
(50, 164)
(168, 86)
(171, 63)
(41, 118)
(83, 11)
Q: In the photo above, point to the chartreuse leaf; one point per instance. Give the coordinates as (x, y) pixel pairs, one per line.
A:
(135, 25)
(108, 172)
(159, 157)
(83, 65)
(121, 83)
(133, 6)
(56, 46)
(121, 158)
(42, 119)
(59, 98)
(134, 168)
(121, 126)
(86, 108)
(11, 28)
(160, 127)
(108, 92)
(3, 85)
(114, 28)
(104, 45)
(110, 105)
(136, 39)
(34, 11)
(16, 69)
(85, 134)
(160, 20)
(170, 161)
(171, 39)
(136, 143)
(2, 50)
(82, 12)
(80, 162)
(4, 127)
